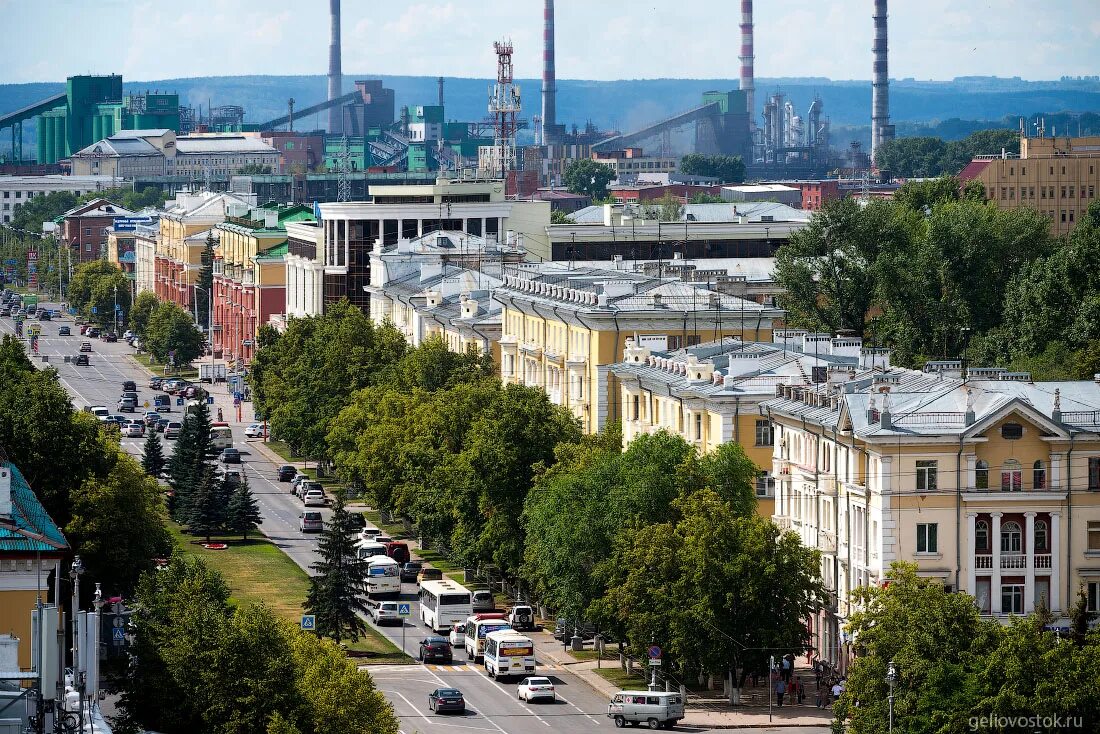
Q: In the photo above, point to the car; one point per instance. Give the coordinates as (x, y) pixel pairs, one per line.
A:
(232, 476)
(298, 479)
(230, 455)
(287, 472)
(129, 386)
(92, 332)
(162, 423)
(127, 334)
(307, 485)
(482, 601)
(356, 521)
(385, 613)
(154, 382)
(368, 534)
(172, 430)
(64, 331)
(410, 570)
(163, 403)
(83, 329)
(85, 346)
(314, 498)
(150, 418)
(133, 429)
(127, 404)
(436, 649)
(110, 337)
(458, 634)
(81, 360)
(522, 618)
(428, 574)
(193, 391)
(446, 699)
(310, 522)
(382, 538)
(44, 316)
(530, 689)
(254, 430)
(566, 628)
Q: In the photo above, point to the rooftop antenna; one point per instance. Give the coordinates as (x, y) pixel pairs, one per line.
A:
(343, 185)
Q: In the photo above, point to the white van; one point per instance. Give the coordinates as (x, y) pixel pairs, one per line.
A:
(655, 708)
(367, 549)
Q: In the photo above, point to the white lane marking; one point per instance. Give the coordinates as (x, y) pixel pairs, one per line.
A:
(516, 700)
(578, 708)
(416, 711)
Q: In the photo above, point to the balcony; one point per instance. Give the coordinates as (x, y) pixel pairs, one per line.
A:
(1043, 560)
(984, 561)
(782, 522)
(827, 542)
(1013, 560)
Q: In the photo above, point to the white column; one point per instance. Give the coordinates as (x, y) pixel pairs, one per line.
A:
(995, 581)
(1029, 559)
(1055, 471)
(1055, 556)
(971, 575)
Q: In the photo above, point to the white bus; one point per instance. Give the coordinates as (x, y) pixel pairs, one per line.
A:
(383, 576)
(479, 625)
(367, 549)
(444, 603)
(508, 653)
(221, 436)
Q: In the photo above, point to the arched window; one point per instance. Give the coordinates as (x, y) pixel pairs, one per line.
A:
(1011, 538)
(1041, 537)
(981, 535)
(1038, 475)
(981, 475)
(1012, 476)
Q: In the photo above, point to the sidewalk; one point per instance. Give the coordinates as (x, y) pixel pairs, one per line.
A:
(706, 713)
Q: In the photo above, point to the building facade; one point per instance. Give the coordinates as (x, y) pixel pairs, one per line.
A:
(17, 190)
(631, 164)
(305, 273)
(990, 484)
(85, 228)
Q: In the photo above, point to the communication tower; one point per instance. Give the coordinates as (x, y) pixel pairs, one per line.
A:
(504, 105)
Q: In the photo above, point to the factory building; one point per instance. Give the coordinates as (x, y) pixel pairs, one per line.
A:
(631, 164)
(151, 153)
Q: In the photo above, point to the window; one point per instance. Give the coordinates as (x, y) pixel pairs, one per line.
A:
(926, 475)
(698, 426)
(1038, 475)
(1042, 537)
(1063, 215)
(1094, 536)
(764, 436)
(1094, 473)
(1063, 192)
(87, 230)
(635, 407)
(1011, 537)
(1004, 193)
(927, 540)
(1012, 476)
(1012, 599)
(981, 475)
(1071, 212)
(1093, 595)
(1012, 431)
(981, 536)
(765, 485)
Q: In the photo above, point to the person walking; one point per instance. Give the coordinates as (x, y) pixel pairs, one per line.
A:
(785, 666)
(780, 689)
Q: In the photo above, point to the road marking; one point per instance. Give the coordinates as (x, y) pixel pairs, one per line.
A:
(578, 708)
(416, 711)
(500, 685)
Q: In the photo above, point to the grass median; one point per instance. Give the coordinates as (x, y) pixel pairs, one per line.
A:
(146, 360)
(258, 571)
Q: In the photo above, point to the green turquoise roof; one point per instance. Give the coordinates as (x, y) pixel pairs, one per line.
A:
(28, 514)
(275, 251)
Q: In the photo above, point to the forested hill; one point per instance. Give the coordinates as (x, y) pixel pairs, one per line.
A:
(624, 104)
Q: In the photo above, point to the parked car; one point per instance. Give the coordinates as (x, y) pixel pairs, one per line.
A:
(436, 649)
(64, 331)
(522, 618)
(458, 634)
(81, 360)
(155, 382)
(314, 498)
(110, 337)
(230, 455)
(310, 522)
(564, 628)
(172, 430)
(127, 334)
(654, 708)
(85, 346)
(254, 430)
(446, 699)
(428, 574)
(287, 472)
(482, 601)
(296, 480)
(531, 689)
(410, 571)
(385, 612)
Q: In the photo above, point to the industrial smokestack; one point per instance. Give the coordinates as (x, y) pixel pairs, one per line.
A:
(335, 77)
(881, 129)
(549, 82)
(747, 84)
(440, 82)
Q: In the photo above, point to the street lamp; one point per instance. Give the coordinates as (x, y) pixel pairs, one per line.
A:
(891, 679)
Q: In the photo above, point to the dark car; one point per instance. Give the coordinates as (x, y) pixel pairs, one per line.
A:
(446, 699)
(129, 386)
(287, 472)
(44, 316)
(111, 337)
(162, 423)
(355, 522)
(436, 649)
(230, 456)
(410, 570)
(81, 360)
(64, 331)
(154, 382)
(565, 628)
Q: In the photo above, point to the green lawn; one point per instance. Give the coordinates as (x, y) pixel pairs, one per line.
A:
(146, 360)
(257, 571)
(614, 674)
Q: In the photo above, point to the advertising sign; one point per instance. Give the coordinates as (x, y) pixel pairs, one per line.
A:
(32, 269)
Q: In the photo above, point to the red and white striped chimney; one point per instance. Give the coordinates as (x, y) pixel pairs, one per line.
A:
(746, 57)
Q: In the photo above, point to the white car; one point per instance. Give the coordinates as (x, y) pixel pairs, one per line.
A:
(385, 612)
(127, 334)
(315, 498)
(457, 635)
(530, 689)
(133, 429)
(254, 430)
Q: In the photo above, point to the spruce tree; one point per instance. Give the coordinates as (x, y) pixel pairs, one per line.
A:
(206, 512)
(243, 513)
(152, 457)
(190, 461)
(336, 594)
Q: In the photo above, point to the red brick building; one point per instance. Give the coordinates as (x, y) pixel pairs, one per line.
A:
(630, 194)
(85, 228)
(298, 151)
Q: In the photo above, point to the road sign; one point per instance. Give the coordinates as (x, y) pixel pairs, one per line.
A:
(119, 634)
(404, 610)
(119, 622)
(655, 652)
(95, 309)
(247, 342)
(655, 662)
(236, 401)
(309, 622)
(146, 403)
(209, 399)
(179, 401)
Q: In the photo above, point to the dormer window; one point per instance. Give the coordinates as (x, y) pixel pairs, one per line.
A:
(1012, 431)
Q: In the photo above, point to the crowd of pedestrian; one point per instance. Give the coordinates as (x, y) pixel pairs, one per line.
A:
(787, 687)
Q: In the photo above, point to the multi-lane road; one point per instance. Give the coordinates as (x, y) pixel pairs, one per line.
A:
(493, 706)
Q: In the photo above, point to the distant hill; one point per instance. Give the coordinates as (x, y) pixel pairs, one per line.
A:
(626, 104)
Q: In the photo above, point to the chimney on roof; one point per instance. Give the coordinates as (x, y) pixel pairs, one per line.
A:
(5, 491)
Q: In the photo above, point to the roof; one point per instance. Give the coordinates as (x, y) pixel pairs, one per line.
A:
(98, 208)
(275, 252)
(148, 133)
(222, 144)
(749, 211)
(121, 147)
(973, 169)
(28, 514)
(762, 188)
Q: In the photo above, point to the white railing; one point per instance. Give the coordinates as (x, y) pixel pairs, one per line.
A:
(1043, 560)
(828, 542)
(1014, 560)
(983, 561)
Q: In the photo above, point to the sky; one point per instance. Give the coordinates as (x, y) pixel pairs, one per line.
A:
(48, 40)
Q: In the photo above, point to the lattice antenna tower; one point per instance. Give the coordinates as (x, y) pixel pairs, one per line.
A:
(343, 184)
(504, 105)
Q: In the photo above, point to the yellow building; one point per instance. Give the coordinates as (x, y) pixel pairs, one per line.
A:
(25, 562)
(563, 328)
(1060, 177)
(990, 484)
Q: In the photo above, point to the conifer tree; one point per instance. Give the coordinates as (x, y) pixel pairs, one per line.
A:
(206, 513)
(242, 513)
(189, 462)
(152, 457)
(336, 594)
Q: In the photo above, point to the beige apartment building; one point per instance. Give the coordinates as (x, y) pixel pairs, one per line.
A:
(1058, 176)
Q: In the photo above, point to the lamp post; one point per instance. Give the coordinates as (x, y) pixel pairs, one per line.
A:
(891, 679)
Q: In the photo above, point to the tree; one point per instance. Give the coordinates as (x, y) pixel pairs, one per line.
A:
(171, 332)
(117, 525)
(557, 216)
(243, 512)
(142, 309)
(190, 464)
(253, 169)
(152, 456)
(702, 197)
(588, 177)
(336, 593)
(206, 281)
(206, 508)
(926, 157)
(32, 213)
(96, 287)
(727, 169)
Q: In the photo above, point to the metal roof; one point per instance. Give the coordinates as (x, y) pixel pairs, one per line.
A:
(28, 514)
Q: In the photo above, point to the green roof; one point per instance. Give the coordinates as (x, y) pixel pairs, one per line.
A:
(28, 514)
(275, 251)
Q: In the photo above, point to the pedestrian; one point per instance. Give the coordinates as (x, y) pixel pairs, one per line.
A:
(786, 668)
(836, 690)
(219, 415)
(780, 689)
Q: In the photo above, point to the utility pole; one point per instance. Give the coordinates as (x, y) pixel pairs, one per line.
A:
(116, 309)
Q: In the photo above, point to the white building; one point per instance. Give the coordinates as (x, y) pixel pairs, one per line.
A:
(136, 153)
(16, 190)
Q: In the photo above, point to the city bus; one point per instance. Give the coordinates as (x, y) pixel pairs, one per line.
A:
(444, 603)
(221, 436)
(383, 576)
(479, 625)
(508, 653)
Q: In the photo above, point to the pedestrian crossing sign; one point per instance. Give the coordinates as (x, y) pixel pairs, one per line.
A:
(309, 622)
(404, 610)
(119, 634)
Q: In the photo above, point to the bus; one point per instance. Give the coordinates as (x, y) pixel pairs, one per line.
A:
(221, 436)
(366, 549)
(508, 653)
(383, 576)
(479, 625)
(444, 603)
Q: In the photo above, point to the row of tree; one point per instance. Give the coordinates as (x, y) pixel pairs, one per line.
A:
(726, 168)
(938, 271)
(96, 288)
(924, 157)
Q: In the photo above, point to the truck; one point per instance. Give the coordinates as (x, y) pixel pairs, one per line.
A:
(212, 373)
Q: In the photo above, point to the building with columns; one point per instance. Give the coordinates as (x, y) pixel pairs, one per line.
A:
(990, 484)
